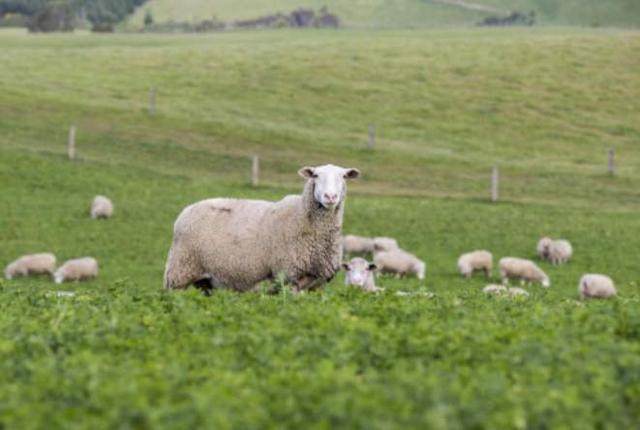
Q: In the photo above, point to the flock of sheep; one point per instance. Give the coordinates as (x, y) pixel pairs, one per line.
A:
(389, 258)
(77, 269)
(237, 244)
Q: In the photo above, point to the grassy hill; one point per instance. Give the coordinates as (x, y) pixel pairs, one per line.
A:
(543, 105)
(403, 13)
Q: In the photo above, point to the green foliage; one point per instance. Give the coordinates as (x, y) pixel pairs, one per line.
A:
(148, 18)
(124, 353)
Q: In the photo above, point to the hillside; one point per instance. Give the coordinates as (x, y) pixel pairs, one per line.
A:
(544, 105)
(404, 13)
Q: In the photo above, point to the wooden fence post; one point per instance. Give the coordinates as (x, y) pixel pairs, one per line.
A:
(494, 184)
(255, 170)
(611, 165)
(71, 145)
(372, 136)
(152, 101)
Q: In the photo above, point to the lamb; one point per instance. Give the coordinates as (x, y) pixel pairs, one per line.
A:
(525, 270)
(384, 244)
(33, 264)
(361, 274)
(517, 292)
(78, 269)
(596, 286)
(556, 251)
(237, 243)
(475, 261)
(399, 262)
(101, 207)
(352, 244)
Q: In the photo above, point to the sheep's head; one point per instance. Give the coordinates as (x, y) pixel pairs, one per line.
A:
(358, 271)
(329, 183)
(543, 246)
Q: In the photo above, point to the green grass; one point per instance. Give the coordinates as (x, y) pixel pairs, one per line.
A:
(544, 105)
(402, 13)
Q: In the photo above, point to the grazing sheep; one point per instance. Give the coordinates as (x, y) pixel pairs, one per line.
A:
(33, 264)
(525, 270)
(238, 243)
(399, 262)
(78, 269)
(475, 261)
(515, 292)
(361, 273)
(384, 244)
(556, 251)
(101, 207)
(596, 286)
(356, 244)
(493, 289)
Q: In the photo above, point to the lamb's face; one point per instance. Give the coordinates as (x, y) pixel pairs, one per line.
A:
(329, 183)
(358, 271)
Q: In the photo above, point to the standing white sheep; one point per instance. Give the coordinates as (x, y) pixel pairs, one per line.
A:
(34, 264)
(556, 251)
(475, 261)
(77, 269)
(596, 286)
(238, 243)
(524, 270)
(352, 244)
(400, 262)
(361, 274)
(101, 207)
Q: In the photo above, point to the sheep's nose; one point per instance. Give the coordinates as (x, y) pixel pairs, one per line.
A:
(331, 197)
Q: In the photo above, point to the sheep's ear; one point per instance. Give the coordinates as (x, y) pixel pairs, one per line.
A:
(372, 267)
(346, 267)
(351, 173)
(307, 172)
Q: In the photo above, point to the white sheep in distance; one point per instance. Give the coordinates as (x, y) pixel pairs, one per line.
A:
(101, 207)
(78, 269)
(361, 274)
(34, 264)
(238, 243)
(475, 261)
(524, 270)
(596, 286)
(384, 244)
(352, 244)
(557, 251)
(400, 262)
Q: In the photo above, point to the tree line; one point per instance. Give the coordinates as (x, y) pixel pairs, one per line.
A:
(61, 15)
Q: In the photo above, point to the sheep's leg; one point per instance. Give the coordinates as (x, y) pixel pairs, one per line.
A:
(181, 270)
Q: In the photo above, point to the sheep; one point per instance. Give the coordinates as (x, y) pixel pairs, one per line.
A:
(596, 286)
(525, 270)
(236, 244)
(517, 292)
(493, 289)
(400, 262)
(361, 273)
(556, 251)
(474, 261)
(77, 269)
(384, 244)
(31, 265)
(501, 290)
(101, 207)
(352, 244)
